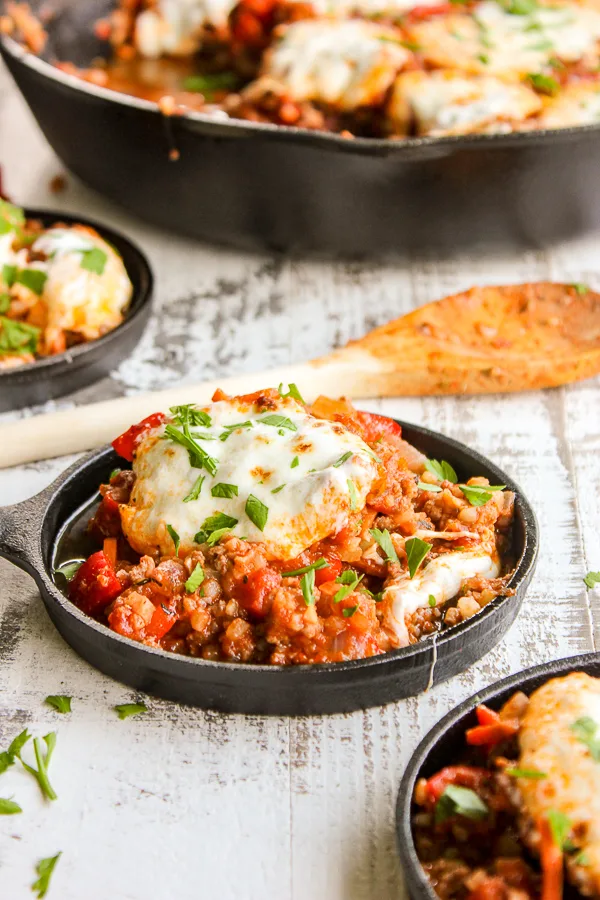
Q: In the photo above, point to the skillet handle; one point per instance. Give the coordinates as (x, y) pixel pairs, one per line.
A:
(19, 533)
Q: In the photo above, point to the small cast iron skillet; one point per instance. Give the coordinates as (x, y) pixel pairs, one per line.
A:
(446, 742)
(258, 186)
(28, 537)
(83, 364)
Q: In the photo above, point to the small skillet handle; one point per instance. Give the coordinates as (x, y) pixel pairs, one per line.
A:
(19, 530)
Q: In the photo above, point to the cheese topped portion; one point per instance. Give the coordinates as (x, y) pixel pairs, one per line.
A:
(345, 64)
(494, 41)
(87, 287)
(390, 8)
(174, 27)
(559, 715)
(281, 476)
(577, 103)
(441, 578)
(444, 102)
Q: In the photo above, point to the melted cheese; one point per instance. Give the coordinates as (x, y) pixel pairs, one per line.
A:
(314, 503)
(572, 783)
(576, 104)
(344, 64)
(493, 41)
(450, 103)
(77, 299)
(441, 578)
(175, 27)
(343, 8)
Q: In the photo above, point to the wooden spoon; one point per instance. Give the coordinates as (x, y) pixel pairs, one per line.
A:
(485, 340)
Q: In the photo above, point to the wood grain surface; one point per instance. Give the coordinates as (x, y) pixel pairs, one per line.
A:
(185, 804)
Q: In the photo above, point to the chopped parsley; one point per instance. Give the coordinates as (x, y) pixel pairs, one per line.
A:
(560, 826)
(211, 83)
(94, 260)
(349, 581)
(12, 218)
(349, 611)
(416, 551)
(478, 495)
(114, 473)
(9, 807)
(277, 489)
(591, 579)
(460, 801)
(189, 414)
(4, 303)
(42, 759)
(220, 523)
(432, 601)
(175, 538)
(59, 702)
(195, 579)
(199, 458)
(580, 288)
(585, 730)
(483, 58)
(434, 488)
(33, 279)
(125, 710)
(257, 512)
(292, 392)
(224, 490)
(18, 337)
(9, 274)
(545, 84)
(525, 773)
(294, 463)
(307, 585)
(229, 429)
(342, 459)
(8, 757)
(319, 564)
(70, 569)
(353, 494)
(44, 870)
(384, 540)
(442, 470)
(195, 491)
(216, 536)
(519, 7)
(278, 421)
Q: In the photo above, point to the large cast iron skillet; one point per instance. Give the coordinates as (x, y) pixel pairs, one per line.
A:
(446, 741)
(82, 365)
(28, 534)
(259, 186)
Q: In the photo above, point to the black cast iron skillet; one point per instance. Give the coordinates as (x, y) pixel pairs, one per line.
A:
(28, 537)
(446, 742)
(259, 186)
(85, 363)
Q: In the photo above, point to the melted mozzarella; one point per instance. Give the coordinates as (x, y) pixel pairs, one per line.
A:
(441, 578)
(175, 27)
(343, 8)
(77, 299)
(314, 503)
(496, 42)
(576, 104)
(451, 103)
(572, 784)
(345, 64)
(8, 256)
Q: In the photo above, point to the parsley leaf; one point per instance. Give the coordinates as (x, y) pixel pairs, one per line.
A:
(294, 463)
(460, 801)
(432, 601)
(44, 870)
(292, 392)
(353, 494)
(591, 579)
(545, 84)
(59, 702)
(9, 807)
(434, 488)
(69, 569)
(319, 564)
(188, 414)
(347, 586)
(277, 489)
(307, 584)
(42, 760)
(229, 429)
(9, 273)
(195, 491)
(384, 540)
(220, 522)
(416, 551)
(34, 279)
(199, 458)
(18, 337)
(175, 538)
(216, 536)
(4, 303)
(442, 470)
(12, 218)
(525, 773)
(94, 260)
(477, 494)
(278, 421)
(585, 730)
(224, 490)
(195, 579)
(257, 512)
(342, 459)
(349, 611)
(125, 710)
(580, 288)
(210, 83)
(560, 826)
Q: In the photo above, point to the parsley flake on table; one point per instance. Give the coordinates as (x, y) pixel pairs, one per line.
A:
(384, 540)
(460, 801)
(60, 702)
(591, 579)
(257, 512)
(44, 870)
(42, 759)
(442, 470)
(125, 710)
(416, 551)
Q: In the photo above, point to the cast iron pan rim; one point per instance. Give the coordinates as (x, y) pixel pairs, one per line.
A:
(11, 378)
(523, 569)
(404, 834)
(239, 127)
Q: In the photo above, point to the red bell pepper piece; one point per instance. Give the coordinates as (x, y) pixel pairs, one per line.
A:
(490, 735)
(95, 585)
(375, 426)
(161, 622)
(465, 776)
(329, 572)
(254, 594)
(486, 716)
(126, 443)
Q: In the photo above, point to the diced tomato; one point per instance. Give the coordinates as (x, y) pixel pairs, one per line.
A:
(254, 593)
(490, 735)
(95, 585)
(126, 443)
(161, 622)
(374, 426)
(107, 520)
(465, 776)
(330, 572)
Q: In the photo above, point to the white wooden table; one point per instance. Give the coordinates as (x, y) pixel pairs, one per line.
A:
(184, 804)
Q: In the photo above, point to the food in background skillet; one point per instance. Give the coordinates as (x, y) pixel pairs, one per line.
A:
(374, 68)
(257, 529)
(59, 286)
(522, 805)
